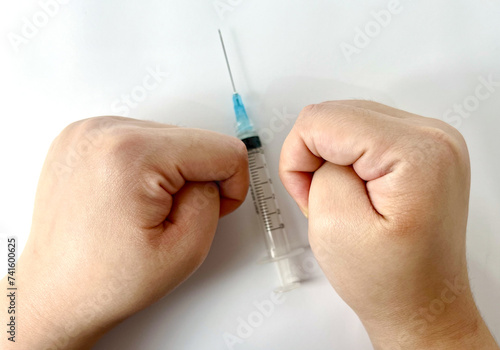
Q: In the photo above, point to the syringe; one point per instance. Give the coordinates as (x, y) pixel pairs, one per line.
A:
(263, 195)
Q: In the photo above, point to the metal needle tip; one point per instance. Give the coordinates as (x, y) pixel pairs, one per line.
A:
(227, 61)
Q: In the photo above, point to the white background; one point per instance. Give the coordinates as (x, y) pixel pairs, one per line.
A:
(285, 55)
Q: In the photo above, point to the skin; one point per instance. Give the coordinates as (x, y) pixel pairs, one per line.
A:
(126, 210)
(387, 194)
(120, 226)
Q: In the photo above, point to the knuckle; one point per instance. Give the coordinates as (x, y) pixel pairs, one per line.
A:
(356, 103)
(346, 110)
(90, 124)
(456, 136)
(124, 146)
(309, 108)
(80, 139)
(118, 148)
(95, 123)
(306, 112)
(313, 113)
(446, 146)
(86, 128)
(95, 143)
(330, 110)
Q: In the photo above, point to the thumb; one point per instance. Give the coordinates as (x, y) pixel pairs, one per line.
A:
(340, 208)
(190, 227)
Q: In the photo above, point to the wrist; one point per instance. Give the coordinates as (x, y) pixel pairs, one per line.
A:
(436, 325)
(466, 335)
(40, 323)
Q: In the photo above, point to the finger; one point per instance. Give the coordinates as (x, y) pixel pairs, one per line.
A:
(339, 204)
(191, 224)
(212, 157)
(340, 134)
(200, 156)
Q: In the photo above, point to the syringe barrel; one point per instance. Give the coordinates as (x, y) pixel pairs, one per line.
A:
(266, 205)
(267, 209)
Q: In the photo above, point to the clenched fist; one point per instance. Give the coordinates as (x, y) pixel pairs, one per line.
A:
(125, 211)
(387, 193)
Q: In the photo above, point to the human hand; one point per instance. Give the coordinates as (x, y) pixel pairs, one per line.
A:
(125, 211)
(387, 193)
